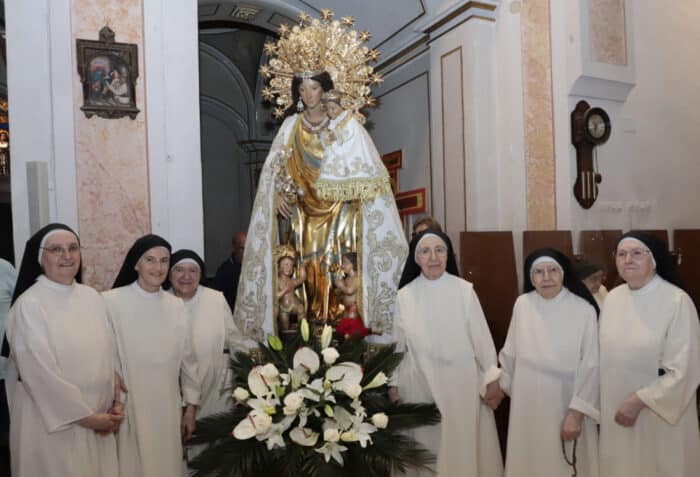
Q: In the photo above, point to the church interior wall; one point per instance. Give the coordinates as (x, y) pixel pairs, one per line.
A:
(402, 121)
(468, 169)
(649, 164)
(110, 155)
(649, 171)
(174, 151)
(41, 113)
(509, 125)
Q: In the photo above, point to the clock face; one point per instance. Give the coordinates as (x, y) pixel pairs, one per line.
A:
(596, 126)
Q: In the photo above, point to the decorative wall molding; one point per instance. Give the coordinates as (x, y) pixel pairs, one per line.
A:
(538, 107)
(601, 59)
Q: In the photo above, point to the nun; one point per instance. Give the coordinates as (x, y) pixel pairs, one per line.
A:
(649, 367)
(60, 371)
(156, 361)
(592, 275)
(549, 366)
(212, 331)
(449, 359)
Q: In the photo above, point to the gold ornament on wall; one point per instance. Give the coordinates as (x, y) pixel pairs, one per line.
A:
(317, 45)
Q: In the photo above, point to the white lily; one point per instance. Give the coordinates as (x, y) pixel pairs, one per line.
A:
(316, 391)
(266, 405)
(332, 449)
(326, 336)
(342, 417)
(363, 432)
(360, 411)
(304, 328)
(273, 437)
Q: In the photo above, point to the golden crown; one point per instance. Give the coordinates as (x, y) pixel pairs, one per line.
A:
(332, 95)
(284, 251)
(317, 45)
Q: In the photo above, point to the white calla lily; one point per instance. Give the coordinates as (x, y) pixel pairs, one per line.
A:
(305, 358)
(303, 436)
(346, 371)
(255, 423)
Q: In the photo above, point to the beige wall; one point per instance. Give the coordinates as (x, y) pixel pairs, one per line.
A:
(110, 154)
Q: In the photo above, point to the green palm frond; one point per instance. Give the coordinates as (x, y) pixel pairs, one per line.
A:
(386, 359)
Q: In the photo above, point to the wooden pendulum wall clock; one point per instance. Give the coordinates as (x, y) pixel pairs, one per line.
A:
(589, 128)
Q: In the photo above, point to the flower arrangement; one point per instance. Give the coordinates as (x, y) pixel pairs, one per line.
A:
(313, 409)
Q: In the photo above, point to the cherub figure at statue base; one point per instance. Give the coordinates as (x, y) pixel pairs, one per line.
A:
(288, 302)
(351, 325)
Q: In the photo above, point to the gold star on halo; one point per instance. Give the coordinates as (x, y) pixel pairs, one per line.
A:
(326, 14)
(267, 93)
(269, 48)
(376, 78)
(373, 55)
(283, 30)
(304, 18)
(370, 102)
(365, 36)
(265, 71)
(279, 112)
(348, 21)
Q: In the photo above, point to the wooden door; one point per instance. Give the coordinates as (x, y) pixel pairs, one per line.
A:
(557, 239)
(487, 260)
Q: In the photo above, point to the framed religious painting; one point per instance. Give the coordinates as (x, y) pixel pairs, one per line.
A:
(108, 72)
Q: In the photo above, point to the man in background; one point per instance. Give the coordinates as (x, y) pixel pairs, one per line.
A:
(229, 272)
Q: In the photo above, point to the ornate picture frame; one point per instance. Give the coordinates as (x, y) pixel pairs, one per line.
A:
(108, 72)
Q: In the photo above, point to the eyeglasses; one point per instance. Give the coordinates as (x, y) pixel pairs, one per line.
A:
(153, 260)
(635, 253)
(440, 251)
(57, 250)
(541, 270)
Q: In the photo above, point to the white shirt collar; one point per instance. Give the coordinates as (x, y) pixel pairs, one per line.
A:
(144, 293)
(46, 281)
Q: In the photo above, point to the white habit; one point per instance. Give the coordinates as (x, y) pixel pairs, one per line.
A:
(650, 344)
(449, 359)
(60, 370)
(212, 329)
(549, 365)
(154, 356)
